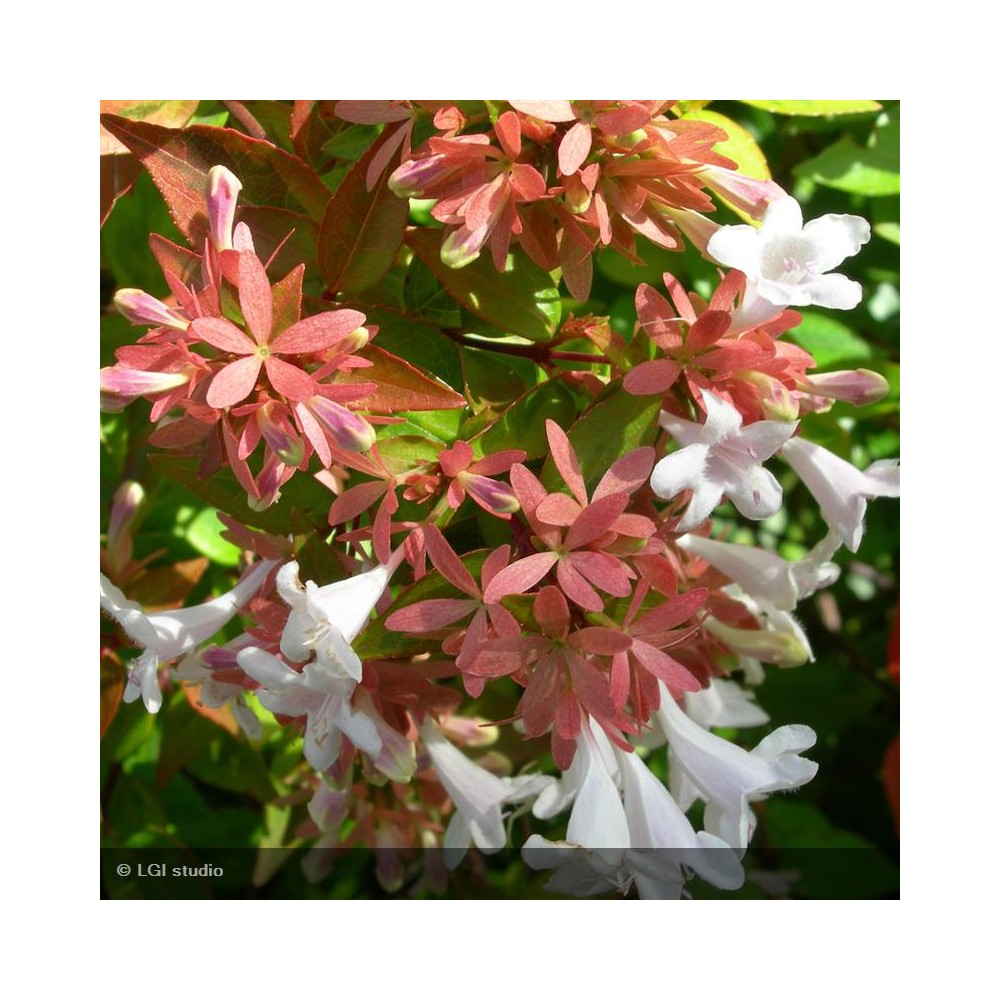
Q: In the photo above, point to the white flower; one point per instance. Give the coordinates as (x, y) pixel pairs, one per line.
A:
(326, 620)
(728, 777)
(787, 264)
(318, 693)
(477, 794)
(615, 837)
(841, 490)
(765, 575)
(199, 668)
(724, 704)
(169, 634)
(721, 457)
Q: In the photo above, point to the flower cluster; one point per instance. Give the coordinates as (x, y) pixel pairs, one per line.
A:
(561, 178)
(459, 562)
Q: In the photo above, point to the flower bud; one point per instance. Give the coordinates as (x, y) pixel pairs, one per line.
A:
(280, 437)
(124, 513)
(746, 194)
(782, 648)
(118, 381)
(223, 190)
(141, 309)
(494, 496)
(775, 399)
(859, 387)
(350, 430)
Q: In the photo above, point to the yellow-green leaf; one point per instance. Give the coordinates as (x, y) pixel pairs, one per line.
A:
(816, 109)
(741, 146)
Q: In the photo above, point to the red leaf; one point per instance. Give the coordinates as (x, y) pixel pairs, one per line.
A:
(118, 174)
(558, 509)
(552, 612)
(603, 570)
(362, 230)
(179, 160)
(574, 149)
(590, 685)
(400, 385)
(233, 383)
(519, 576)
(576, 588)
(651, 378)
(290, 381)
(222, 334)
(112, 688)
(596, 520)
(425, 616)
(315, 333)
(287, 297)
(173, 114)
(256, 300)
(566, 460)
(447, 563)
(706, 330)
(676, 676)
(671, 613)
(627, 474)
(356, 500)
(174, 260)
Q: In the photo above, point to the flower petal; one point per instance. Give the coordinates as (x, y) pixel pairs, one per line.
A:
(233, 383)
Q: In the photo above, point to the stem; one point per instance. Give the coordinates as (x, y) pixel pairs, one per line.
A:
(536, 352)
(242, 114)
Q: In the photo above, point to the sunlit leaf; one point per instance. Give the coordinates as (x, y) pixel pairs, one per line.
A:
(816, 108)
(521, 300)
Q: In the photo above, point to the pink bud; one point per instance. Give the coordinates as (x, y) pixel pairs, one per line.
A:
(280, 436)
(489, 494)
(775, 399)
(350, 430)
(131, 382)
(124, 512)
(141, 309)
(859, 387)
(223, 190)
(748, 194)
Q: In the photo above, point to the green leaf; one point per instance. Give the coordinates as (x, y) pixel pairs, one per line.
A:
(741, 146)
(832, 863)
(204, 535)
(493, 379)
(362, 230)
(418, 342)
(129, 729)
(817, 108)
(869, 170)
(612, 427)
(523, 299)
(522, 424)
(888, 231)
(424, 295)
(128, 228)
(223, 492)
(350, 143)
(232, 765)
(828, 340)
